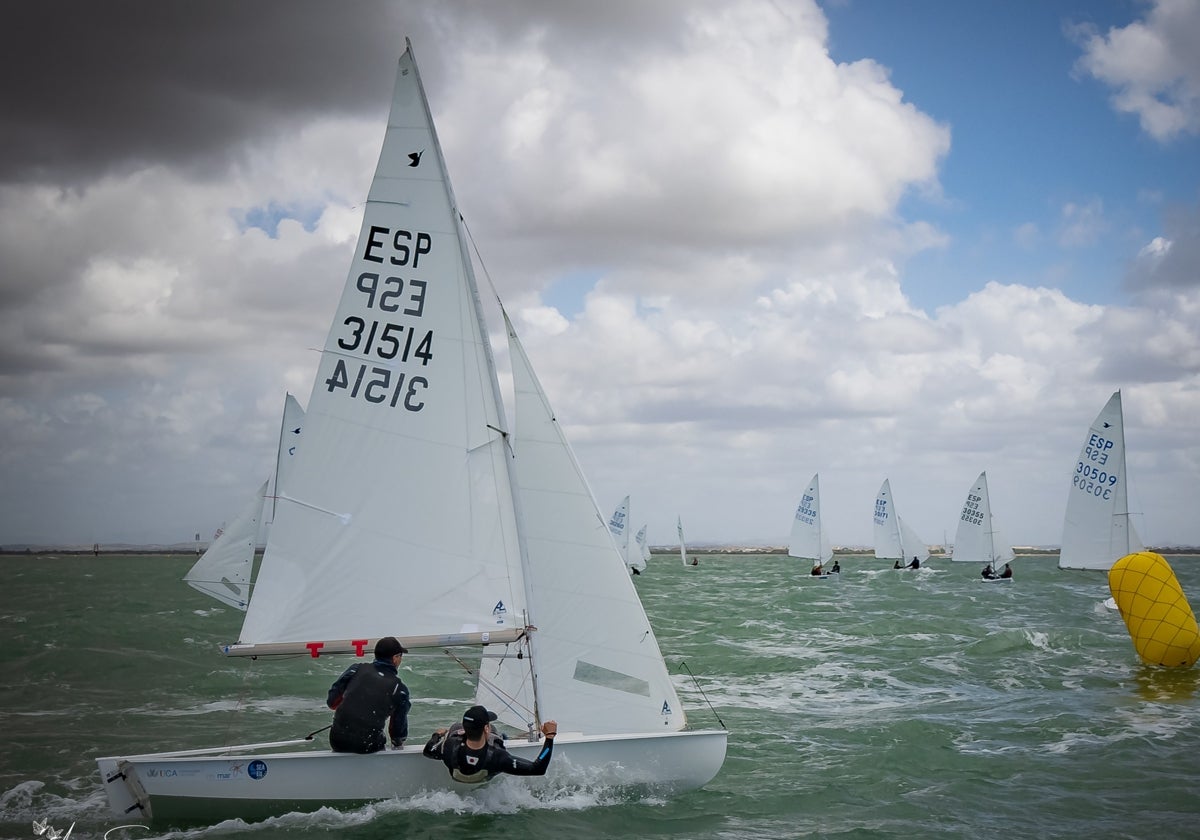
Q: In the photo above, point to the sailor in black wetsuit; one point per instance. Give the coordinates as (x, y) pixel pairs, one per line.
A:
(473, 753)
(366, 697)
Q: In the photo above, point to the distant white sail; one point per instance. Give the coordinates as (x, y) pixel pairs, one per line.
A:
(627, 545)
(977, 539)
(809, 541)
(1097, 530)
(894, 539)
(643, 547)
(683, 543)
(223, 571)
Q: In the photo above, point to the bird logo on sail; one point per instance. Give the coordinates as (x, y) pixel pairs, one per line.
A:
(414, 158)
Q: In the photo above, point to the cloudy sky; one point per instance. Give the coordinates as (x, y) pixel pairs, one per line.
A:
(743, 242)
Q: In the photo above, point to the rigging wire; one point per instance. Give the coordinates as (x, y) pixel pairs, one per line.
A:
(684, 666)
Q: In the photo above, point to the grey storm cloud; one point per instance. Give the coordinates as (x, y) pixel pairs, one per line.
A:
(92, 88)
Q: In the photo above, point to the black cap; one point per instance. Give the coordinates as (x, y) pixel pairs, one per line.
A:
(387, 647)
(475, 719)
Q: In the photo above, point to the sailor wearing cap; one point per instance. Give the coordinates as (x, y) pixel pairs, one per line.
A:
(365, 697)
(473, 753)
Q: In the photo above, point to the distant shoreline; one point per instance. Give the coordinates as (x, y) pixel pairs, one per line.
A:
(750, 551)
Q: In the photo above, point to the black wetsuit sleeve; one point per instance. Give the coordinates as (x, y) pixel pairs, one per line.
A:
(433, 748)
(501, 761)
(334, 698)
(398, 725)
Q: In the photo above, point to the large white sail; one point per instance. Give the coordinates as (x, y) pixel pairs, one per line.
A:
(894, 539)
(404, 468)
(809, 541)
(223, 571)
(599, 668)
(1097, 530)
(977, 539)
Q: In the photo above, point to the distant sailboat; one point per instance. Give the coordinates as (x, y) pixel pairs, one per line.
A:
(894, 539)
(809, 541)
(1097, 530)
(225, 570)
(643, 547)
(619, 526)
(683, 545)
(977, 539)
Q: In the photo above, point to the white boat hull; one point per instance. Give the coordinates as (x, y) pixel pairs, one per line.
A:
(250, 784)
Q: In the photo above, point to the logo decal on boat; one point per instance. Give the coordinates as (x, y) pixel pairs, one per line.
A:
(414, 158)
(666, 709)
(257, 769)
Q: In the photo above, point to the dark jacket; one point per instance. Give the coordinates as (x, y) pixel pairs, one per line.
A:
(478, 765)
(363, 698)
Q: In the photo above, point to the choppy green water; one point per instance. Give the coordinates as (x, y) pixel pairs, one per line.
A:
(889, 704)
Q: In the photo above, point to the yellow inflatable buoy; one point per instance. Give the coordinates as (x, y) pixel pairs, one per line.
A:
(1155, 610)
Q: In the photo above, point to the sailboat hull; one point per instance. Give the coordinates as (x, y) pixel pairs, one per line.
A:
(252, 784)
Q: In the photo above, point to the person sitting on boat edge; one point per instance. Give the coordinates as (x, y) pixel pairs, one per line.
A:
(473, 753)
(1007, 573)
(816, 570)
(897, 565)
(988, 572)
(837, 568)
(366, 696)
(915, 564)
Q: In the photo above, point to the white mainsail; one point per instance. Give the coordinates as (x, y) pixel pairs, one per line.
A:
(403, 467)
(977, 539)
(894, 539)
(1097, 530)
(223, 571)
(809, 541)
